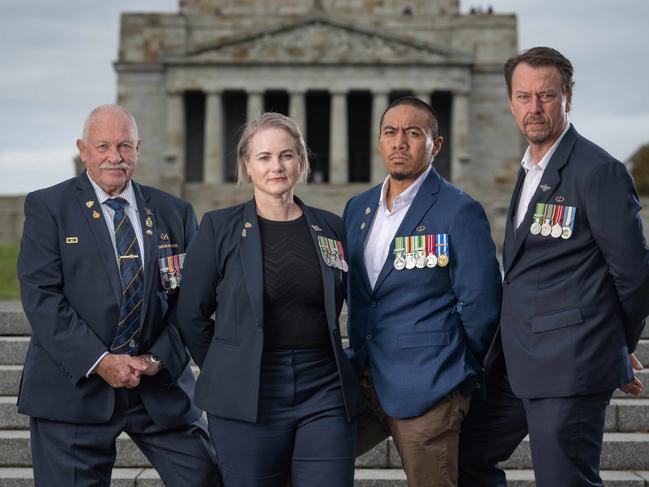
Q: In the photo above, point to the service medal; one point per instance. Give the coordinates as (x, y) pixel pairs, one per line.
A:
(399, 263)
(566, 233)
(431, 261)
(411, 262)
(442, 260)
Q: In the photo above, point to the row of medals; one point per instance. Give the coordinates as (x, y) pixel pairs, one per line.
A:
(547, 230)
(170, 280)
(419, 260)
(334, 260)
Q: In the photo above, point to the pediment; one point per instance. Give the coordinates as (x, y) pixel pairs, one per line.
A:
(322, 41)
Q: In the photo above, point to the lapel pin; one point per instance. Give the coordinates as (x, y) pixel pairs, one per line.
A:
(148, 212)
(71, 240)
(544, 187)
(89, 203)
(96, 215)
(247, 225)
(148, 232)
(368, 210)
(148, 222)
(164, 236)
(244, 233)
(363, 226)
(560, 199)
(420, 228)
(316, 228)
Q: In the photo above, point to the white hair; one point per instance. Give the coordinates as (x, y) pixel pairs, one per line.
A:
(105, 108)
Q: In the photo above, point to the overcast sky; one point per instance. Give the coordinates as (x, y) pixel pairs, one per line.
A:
(57, 65)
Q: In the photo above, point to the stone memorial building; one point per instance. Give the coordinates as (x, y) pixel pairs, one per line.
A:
(192, 79)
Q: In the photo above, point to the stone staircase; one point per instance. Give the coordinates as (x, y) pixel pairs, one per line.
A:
(625, 458)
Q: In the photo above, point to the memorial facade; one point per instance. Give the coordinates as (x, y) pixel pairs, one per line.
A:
(192, 78)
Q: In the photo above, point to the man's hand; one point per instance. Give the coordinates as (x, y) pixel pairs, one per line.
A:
(635, 386)
(120, 370)
(149, 367)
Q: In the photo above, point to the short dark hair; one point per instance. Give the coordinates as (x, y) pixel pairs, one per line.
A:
(413, 101)
(541, 56)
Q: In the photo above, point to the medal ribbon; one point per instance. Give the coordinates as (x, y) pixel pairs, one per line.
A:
(539, 211)
(409, 245)
(420, 243)
(569, 218)
(430, 245)
(399, 245)
(558, 217)
(339, 244)
(547, 216)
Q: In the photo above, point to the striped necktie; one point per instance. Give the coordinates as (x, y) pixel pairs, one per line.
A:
(130, 269)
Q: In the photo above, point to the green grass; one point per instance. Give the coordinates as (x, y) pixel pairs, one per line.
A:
(8, 280)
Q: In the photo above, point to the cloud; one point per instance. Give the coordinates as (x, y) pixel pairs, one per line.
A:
(25, 171)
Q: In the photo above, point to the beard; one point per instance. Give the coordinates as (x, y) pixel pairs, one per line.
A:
(538, 136)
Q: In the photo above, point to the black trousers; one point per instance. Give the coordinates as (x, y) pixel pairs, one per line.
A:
(302, 432)
(80, 455)
(565, 436)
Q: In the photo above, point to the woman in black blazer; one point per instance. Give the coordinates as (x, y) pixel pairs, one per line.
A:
(279, 391)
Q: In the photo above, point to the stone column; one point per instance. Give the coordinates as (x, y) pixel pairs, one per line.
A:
(213, 168)
(255, 105)
(377, 168)
(174, 172)
(338, 153)
(460, 150)
(297, 110)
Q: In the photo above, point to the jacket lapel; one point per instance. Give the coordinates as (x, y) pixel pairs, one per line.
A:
(508, 245)
(150, 251)
(424, 199)
(550, 180)
(357, 236)
(85, 195)
(327, 272)
(251, 257)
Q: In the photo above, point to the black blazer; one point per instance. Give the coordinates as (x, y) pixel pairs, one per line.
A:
(573, 309)
(223, 276)
(70, 289)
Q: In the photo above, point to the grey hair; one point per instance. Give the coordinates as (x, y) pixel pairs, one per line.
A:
(270, 120)
(105, 108)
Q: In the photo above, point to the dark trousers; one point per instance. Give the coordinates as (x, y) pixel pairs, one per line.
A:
(66, 454)
(565, 436)
(302, 430)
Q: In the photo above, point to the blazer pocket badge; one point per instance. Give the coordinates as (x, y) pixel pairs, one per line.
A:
(332, 253)
(553, 220)
(419, 251)
(171, 271)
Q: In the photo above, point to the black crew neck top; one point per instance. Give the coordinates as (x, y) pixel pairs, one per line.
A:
(294, 308)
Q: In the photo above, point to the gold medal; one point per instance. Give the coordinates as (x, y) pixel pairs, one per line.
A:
(442, 260)
(96, 215)
(148, 222)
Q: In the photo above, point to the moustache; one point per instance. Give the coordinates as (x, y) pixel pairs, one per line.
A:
(398, 154)
(120, 165)
(534, 120)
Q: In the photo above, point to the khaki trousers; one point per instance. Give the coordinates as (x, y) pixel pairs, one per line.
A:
(427, 444)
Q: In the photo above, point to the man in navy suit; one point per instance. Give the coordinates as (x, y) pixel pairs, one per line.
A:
(575, 293)
(424, 296)
(99, 266)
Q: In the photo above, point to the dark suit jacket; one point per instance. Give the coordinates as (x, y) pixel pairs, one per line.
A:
(71, 296)
(573, 309)
(224, 275)
(424, 331)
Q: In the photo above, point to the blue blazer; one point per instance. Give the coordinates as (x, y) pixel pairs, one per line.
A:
(70, 289)
(224, 278)
(573, 309)
(424, 331)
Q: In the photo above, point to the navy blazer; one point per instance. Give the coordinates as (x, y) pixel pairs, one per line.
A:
(70, 289)
(224, 277)
(424, 331)
(574, 308)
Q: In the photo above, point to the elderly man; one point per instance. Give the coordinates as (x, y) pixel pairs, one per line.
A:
(424, 295)
(99, 267)
(575, 294)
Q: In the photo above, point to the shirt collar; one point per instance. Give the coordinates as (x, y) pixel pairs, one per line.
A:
(128, 194)
(405, 198)
(527, 161)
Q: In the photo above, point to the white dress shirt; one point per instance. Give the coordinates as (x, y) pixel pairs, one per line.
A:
(533, 175)
(385, 224)
(131, 210)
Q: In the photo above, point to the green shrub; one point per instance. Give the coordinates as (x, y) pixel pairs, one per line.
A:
(8, 280)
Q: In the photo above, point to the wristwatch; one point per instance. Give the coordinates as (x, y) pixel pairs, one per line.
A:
(156, 360)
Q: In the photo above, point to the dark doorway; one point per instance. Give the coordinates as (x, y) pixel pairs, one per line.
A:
(276, 101)
(234, 109)
(441, 102)
(359, 126)
(318, 115)
(194, 135)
